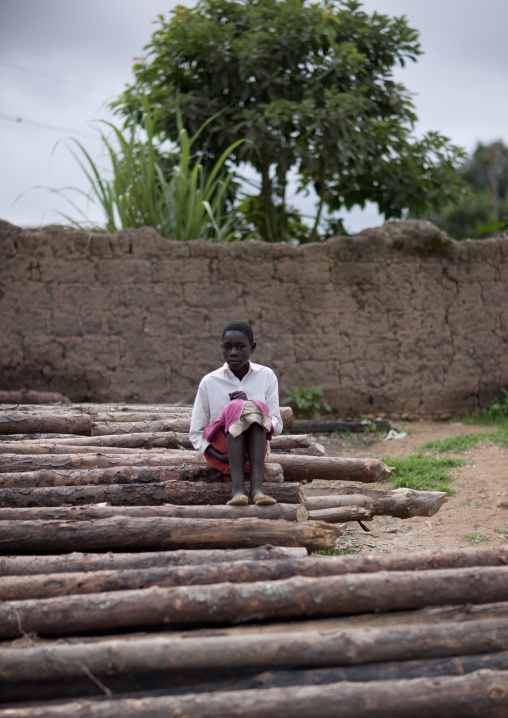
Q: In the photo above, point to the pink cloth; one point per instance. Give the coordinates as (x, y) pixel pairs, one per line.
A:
(231, 414)
(220, 443)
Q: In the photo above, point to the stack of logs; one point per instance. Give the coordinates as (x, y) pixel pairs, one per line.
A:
(184, 606)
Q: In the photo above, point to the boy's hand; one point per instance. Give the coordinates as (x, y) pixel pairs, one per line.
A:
(238, 395)
(211, 451)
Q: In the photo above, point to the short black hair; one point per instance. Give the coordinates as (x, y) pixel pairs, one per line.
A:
(238, 326)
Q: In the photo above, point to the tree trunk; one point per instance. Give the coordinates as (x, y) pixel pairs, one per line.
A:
(402, 503)
(287, 564)
(32, 565)
(18, 463)
(124, 533)
(482, 693)
(342, 513)
(174, 469)
(27, 396)
(288, 599)
(214, 681)
(87, 444)
(185, 493)
(26, 456)
(318, 503)
(279, 512)
(22, 422)
(353, 646)
(312, 426)
(291, 441)
(332, 468)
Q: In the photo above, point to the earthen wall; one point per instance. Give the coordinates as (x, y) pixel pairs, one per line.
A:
(398, 319)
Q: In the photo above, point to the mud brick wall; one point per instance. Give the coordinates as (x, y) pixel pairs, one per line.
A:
(398, 319)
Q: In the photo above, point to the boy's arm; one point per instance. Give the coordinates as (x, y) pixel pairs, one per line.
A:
(200, 418)
(272, 402)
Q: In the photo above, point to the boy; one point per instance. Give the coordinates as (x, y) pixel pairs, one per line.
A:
(235, 413)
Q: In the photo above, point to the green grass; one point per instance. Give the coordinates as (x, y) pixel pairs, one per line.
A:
(423, 473)
(494, 414)
(477, 538)
(457, 444)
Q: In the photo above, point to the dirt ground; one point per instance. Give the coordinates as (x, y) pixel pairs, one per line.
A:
(471, 517)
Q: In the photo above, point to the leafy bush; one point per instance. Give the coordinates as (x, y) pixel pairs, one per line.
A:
(307, 401)
(189, 204)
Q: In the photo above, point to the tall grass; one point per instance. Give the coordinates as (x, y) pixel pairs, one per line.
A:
(188, 204)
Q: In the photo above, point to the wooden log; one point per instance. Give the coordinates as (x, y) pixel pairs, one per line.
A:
(284, 442)
(22, 422)
(178, 423)
(167, 440)
(355, 646)
(185, 493)
(17, 463)
(314, 449)
(96, 459)
(172, 469)
(286, 599)
(28, 396)
(277, 512)
(318, 503)
(54, 445)
(341, 514)
(402, 503)
(482, 693)
(332, 468)
(389, 671)
(213, 681)
(323, 426)
(30, 565)
(123, 533)
(16, 587)
(315, 566)
(104, 428)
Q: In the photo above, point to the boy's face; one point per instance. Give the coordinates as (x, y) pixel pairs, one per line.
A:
(236, 350)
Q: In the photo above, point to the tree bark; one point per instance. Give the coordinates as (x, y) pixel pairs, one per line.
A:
(22, 422)
(318, 503)
(279, 512)
(90, 444)
(178, 423)
(312, 426)
(402, 503)
(31, 565)
(482, 693)
(353, 646)
(318, 565)
(27, 396)
(213, 681)
(124, 533)
(288, 599)
(186, 493)
(341, 514)
(173, 469)
(332, 468)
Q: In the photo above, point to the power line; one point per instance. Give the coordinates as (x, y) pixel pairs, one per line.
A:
(45, 126)
(54, 78)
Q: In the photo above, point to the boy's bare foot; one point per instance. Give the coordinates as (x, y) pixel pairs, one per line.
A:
(240, 500)
(263, 500)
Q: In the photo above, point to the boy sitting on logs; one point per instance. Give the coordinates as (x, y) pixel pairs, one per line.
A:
(235, 413)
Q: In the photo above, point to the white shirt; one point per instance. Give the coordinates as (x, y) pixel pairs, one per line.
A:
(213, 392)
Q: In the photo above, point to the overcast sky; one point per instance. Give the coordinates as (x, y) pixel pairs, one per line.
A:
(62, 61)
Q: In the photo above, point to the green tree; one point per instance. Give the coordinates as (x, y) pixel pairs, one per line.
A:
(483, 212)
(310, 88)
